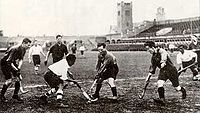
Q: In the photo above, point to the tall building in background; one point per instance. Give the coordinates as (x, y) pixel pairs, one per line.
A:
(124, 17)
(160, 15)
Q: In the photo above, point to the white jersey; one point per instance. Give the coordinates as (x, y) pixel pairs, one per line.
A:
(82, 48)
(186, 56)
(60, 68)
(35, 50)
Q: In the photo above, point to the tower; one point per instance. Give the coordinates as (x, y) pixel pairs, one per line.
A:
(124, 17)
(160, 15)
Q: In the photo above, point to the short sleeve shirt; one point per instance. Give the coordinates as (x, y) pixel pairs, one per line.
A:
(60, 68)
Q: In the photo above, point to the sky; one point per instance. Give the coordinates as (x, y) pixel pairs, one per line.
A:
(82, 17)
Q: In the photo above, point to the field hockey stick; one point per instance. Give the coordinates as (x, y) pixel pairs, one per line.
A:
(95, 80)
(179, 72)
(83, 91)
(93, 84)
(145, 87)
(75, 82)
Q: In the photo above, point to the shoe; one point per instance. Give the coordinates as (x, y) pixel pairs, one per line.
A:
(43, 99)
(194, 78)
(94, 98)
(160, 101)
(36, 73)
(24, 92)
(3, 99)
(16, 98)
(198, 77)
(60, 104)
(183, 93)
(114, 98)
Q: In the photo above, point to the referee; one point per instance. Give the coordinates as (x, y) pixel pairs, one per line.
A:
(58, 50)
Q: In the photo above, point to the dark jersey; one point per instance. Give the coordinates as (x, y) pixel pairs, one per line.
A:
(193, 46)
(58, 52)
(105, 60)
(157, 58)
(13, 54)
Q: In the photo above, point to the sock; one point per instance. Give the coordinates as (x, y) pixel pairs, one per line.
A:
(17, 87)
(3, 91)
(161, 92)
(183, 93)
(59, 94)
(114, 91)
(98, 88)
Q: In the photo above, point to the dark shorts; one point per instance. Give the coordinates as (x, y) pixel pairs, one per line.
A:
(193, 68)
(171, 73)
(7, 70)
(74, 51)
(82, 52)
(110, 72)
(198, 57)
(52, 79)
(57, 59)
(36, 60)
(185, 64)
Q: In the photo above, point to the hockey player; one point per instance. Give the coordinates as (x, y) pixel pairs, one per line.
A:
(56, 76)
(186, 58)
(11, 70)
(107, 68)
(34, 55)
(161, 59)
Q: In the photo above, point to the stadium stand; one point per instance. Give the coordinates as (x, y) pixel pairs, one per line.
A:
(164, 33)
(179, 27)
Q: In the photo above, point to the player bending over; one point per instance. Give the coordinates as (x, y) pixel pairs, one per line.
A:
(56, 77)
(11, 70)
(186, 58)
(161, 59)
(195, 47)
(107, 69)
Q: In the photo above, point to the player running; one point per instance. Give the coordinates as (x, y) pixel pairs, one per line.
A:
(161, 59)
(34, 54)
(11, 70)
(56, 76)
(107, 69)
(186, 58)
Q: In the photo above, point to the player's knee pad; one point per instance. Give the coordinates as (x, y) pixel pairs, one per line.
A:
(8, 82)
(160, 83)
(111, 82)
(178, 88)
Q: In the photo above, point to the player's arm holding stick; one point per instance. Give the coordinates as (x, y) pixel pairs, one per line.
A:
(147, 81)
(183, 69)
(99, 73)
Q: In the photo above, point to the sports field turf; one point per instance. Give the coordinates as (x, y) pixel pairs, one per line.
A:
(133, 68)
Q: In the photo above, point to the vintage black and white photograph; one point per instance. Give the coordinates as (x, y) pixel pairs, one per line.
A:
(99, 56)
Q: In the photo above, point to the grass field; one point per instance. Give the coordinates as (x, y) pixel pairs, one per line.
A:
(133, 68)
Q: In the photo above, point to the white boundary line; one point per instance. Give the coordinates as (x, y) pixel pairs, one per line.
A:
(133, 78)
